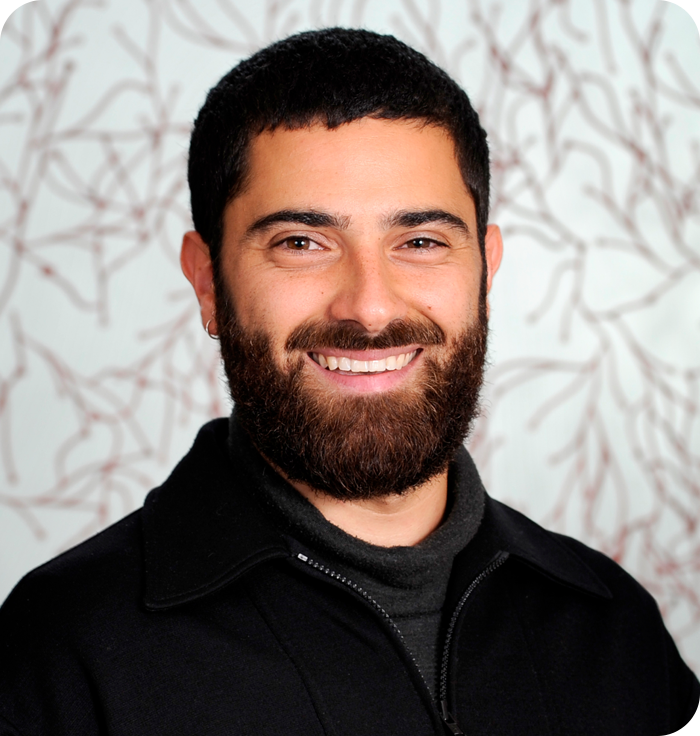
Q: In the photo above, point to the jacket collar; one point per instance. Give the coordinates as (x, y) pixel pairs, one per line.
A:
(203, 529)
(505, 530)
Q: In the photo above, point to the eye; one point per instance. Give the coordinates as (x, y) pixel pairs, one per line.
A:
(298, 243)
(423, 244)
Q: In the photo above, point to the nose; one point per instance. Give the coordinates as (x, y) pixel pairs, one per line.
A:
(368, 290)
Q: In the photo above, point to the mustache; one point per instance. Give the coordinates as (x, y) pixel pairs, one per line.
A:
(349, 335)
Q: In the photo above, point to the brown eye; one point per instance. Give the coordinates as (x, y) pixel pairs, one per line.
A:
(422, 243)
(299, 243)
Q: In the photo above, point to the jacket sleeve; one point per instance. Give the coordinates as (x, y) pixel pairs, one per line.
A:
(43, 688)
(690, 725)
(7, 729)
(683, 685)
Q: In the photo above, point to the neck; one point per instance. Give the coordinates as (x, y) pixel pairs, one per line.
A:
(391, 521)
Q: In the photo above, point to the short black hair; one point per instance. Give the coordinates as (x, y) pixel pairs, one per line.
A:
(332, 76)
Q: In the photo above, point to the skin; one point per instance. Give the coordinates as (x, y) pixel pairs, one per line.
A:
(364, 263)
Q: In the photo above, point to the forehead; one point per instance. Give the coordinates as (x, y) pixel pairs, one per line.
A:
(367, 165)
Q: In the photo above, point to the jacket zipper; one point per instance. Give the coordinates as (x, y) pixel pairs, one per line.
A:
(361, 591)
(447, 718)
(450, 722)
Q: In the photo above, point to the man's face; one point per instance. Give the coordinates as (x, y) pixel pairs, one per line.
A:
(352, 328)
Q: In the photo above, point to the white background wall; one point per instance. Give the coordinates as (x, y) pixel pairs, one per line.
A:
(592, 408)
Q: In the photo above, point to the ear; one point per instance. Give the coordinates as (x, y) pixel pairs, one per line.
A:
(196, 265)
(494, 252)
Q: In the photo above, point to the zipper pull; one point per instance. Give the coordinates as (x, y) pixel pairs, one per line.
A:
(449, 721)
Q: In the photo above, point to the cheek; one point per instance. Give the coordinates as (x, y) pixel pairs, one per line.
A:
(277, 305)
(450, 302)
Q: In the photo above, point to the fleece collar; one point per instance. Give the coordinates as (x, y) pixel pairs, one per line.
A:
(203, 529)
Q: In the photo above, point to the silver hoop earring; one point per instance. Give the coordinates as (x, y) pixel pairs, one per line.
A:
(206, 329)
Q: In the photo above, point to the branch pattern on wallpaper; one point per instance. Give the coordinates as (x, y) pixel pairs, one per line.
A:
(591, 418)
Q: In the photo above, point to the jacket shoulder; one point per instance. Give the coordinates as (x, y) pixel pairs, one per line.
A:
(60, 617)
(611, 572)
(564, 558)
(104, 568)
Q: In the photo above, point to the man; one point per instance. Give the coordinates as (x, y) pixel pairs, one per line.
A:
(327, 560)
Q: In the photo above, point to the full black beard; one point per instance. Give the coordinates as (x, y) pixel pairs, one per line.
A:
(354, 447)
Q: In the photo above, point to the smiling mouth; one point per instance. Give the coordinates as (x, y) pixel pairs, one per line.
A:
(350, 366)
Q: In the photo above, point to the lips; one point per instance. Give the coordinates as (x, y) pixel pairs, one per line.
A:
(345, 364)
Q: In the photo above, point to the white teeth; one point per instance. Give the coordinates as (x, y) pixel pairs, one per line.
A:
(392, 363)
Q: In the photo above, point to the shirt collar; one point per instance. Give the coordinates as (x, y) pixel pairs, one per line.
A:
(203, 529)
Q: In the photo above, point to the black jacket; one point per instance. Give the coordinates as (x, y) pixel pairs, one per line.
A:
(194, 616)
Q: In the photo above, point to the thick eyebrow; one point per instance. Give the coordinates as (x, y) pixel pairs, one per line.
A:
(416, 218)
(310, 218)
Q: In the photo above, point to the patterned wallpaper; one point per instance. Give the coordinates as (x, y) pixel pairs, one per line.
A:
(591, 419)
